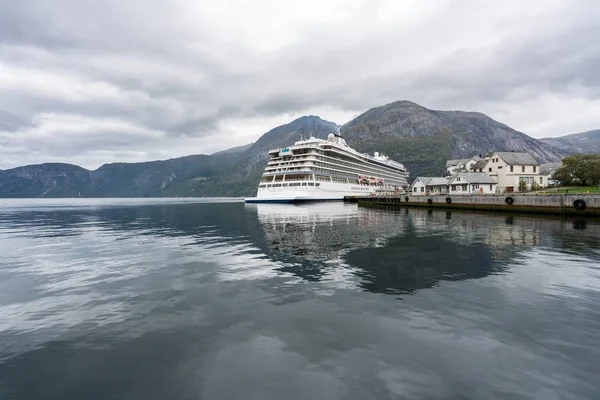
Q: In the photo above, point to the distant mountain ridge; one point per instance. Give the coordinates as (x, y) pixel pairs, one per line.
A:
(584, 143)
(420, 138)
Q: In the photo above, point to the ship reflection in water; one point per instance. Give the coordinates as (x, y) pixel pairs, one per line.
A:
(199, 299)
(401, 251)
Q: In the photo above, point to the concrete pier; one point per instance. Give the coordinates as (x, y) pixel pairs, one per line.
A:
(568, 204)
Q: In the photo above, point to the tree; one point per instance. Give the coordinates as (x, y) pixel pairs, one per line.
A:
(522, 186)
(579, 170)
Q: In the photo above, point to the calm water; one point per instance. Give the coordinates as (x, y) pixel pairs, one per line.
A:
(158, 299)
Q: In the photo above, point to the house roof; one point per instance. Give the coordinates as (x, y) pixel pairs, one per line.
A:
(431, 181)
(452, 163)
(438, 181)
(512, 158)
(473, 177)
(479, 164)
(422, 179)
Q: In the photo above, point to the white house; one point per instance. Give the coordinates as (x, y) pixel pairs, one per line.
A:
(462, 165)
(510, 168)
(472, 183)
(423, 185)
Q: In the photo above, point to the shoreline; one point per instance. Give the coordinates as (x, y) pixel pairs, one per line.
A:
(587, 205)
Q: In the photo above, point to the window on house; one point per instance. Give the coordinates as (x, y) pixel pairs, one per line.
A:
(541, 180)
(511, 169)
(458, 179)
(415, 190)
(523, 168)
(491, 188)
(422, 189)
(499, 166)
(534, 168)
(490, 170)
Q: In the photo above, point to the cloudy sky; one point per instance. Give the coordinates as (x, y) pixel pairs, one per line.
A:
(90, 82)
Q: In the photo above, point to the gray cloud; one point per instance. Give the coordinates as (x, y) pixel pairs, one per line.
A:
(90, 82)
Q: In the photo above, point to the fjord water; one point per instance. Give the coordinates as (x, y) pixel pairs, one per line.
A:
(207, 299)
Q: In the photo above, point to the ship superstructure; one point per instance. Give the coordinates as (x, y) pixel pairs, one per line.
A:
(316, 169)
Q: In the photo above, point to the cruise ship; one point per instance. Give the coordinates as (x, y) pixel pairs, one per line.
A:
(326, 170)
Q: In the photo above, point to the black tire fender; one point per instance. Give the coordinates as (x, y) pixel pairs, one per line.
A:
(579, 204)
(509, 200)
(448, 200)
(429, 201)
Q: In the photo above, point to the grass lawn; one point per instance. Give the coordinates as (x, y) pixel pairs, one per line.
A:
(563, 190)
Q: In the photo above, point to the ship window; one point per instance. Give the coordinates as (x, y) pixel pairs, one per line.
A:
(277, 185)
(317, 184)
(523, 168)
(304, 184)
(511, 168)
(311, 184)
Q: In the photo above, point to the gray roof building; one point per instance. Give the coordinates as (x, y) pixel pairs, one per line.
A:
(438, 181)
(472, 177)
(479, 165)
(512, 158)
(452, 163)
(431, 181)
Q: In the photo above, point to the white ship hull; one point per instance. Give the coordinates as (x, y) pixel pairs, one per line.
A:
(327, 191)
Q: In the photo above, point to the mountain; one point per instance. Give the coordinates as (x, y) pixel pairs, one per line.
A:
(424, 139)
(150, 179)
(241, 179)
(420, 138)
(44, 180)
(233, 172)
(585, 143)
(238, 149)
